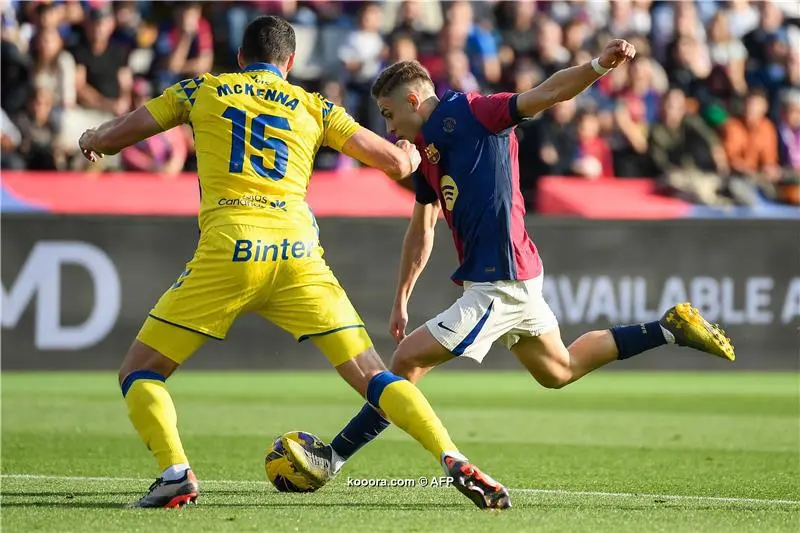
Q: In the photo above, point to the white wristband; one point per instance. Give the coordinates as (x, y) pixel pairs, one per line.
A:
(600, 69)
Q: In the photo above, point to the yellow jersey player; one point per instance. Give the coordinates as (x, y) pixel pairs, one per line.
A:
(256, 136)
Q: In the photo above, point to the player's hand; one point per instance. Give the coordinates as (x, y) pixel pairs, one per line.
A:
(617, 52)
(85, 144)
(412, 152)
(398, 322)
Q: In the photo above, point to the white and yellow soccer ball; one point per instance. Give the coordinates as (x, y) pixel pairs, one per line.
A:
(281, 472)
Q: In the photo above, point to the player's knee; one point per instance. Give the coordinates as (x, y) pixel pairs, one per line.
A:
(358, 371)
(554, 378)
(405, 362)
(403, 368)
(144, 358)
(555, 381)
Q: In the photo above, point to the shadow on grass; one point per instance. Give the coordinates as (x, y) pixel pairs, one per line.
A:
(68, 495)
(68, 503)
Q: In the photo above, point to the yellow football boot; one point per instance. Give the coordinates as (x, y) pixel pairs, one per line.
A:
(690, 329)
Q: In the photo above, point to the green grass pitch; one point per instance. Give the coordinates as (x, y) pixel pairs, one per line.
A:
(615, 452)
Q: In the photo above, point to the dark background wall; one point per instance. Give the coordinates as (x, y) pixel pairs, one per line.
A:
(743, 274)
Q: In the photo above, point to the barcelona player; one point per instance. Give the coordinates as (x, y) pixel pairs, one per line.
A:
(256, 136)
(470, 173)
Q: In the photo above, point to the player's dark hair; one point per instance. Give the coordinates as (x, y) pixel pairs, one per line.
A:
(401, 73)
(268, 39)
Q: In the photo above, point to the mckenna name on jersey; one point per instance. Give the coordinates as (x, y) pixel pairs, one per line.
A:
(256, 136)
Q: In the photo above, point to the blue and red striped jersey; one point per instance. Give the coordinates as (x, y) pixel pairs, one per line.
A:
(469, 165)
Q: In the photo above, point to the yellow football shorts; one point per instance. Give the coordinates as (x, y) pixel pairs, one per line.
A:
(281, 275)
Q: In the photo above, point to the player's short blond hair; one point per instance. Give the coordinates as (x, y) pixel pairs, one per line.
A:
(401, 73)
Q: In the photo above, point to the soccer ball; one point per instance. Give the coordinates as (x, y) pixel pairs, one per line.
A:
(281, 472)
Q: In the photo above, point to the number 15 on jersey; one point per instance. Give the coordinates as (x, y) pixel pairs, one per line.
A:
(258, 141)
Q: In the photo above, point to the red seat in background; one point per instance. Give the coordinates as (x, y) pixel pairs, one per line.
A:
(628, 198)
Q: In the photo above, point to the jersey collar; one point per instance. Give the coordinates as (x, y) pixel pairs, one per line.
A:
(263, 66)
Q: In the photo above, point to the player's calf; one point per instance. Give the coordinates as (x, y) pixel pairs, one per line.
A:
(546, 359)
(151, 411)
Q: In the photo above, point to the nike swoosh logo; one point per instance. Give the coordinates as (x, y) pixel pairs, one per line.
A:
(441, 325)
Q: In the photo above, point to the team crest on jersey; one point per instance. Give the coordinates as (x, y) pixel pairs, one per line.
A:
(449, 191)
(449, 125)
(432, 153)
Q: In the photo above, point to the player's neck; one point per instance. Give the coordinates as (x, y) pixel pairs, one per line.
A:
(427, 107)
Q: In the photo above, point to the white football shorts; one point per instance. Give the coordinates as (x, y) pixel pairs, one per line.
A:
(503, 311)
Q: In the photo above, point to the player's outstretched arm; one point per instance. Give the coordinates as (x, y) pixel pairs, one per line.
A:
(375, 151)
(570, 82)
(417, 246)
(112, 136)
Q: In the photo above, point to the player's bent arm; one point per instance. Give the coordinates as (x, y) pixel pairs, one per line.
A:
(563, 85)
(417, 246)
(376, 152)
(570, 82)
(112, 136)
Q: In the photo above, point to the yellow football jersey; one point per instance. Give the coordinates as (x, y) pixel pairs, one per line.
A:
(256, 136)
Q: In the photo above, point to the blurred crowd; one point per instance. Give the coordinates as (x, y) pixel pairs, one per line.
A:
(710, 107)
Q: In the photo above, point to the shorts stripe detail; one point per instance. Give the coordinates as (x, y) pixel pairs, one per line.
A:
(309, 335)
(472, 335)
(127, 383)
(185, 327)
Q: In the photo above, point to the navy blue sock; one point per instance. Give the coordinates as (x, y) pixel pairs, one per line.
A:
(364, 427)
(635, 339)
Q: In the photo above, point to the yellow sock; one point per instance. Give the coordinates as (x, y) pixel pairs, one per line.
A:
(407, 408)
(153, 415)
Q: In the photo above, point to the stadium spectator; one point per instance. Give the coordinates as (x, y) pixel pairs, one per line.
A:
(751, 141)
(16, 72)
(671, 20)
(595, 12)
(10, 139)
(418, 20)
(238, 14)
(778, 72)
(687, 67)
(789, 131)
(103, 79)
(771, 26)
(629, 18)
(361, 56)
(457, 75)
(480, 45)
(576, 35)
(549, 145)
(743, 18)
(550, 53)
(54, 68)
(526, 75)
(687, 153)
(593, 158)
(48, 16)
(727, 52)
(163, 154)
(517, 19)
(451, 38)
(184, 47)
(635, 108)
(39, 133)
(713, 51)
(401, 48)
(130, 32)
(328, 158)
(639, 91)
